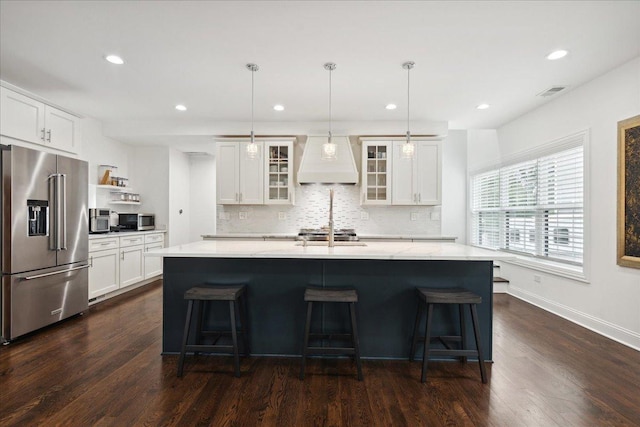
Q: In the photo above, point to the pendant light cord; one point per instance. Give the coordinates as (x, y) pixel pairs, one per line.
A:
(252, 73)
(408, 96)
(330, 128)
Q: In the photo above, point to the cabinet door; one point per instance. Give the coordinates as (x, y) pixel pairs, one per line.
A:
(131, 266)
(152, 265)
(428, 172)
(62, 129)
(227, 173)
(21, 117)
(251, 177)
(103, 272)
(376, 173)
(403, 192)
(278, 188)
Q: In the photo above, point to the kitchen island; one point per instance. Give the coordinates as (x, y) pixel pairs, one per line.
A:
(385, 275)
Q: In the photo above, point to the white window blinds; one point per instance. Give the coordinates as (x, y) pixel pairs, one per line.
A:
(534, 207)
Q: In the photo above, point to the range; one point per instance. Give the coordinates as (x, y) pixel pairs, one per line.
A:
(322, 234)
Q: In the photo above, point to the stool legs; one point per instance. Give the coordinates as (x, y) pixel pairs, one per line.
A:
(427, 340)
(416, 328)
(354, 336)
(463, 332)
(185, 337)
(245, 325)
(476, 332)
(234, 337)
(307, 329)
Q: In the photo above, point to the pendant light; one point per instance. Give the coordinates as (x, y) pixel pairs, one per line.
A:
(329, 149)
(408, 148)
(252, 147)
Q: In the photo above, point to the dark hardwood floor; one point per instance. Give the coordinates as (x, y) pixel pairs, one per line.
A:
(105, 368)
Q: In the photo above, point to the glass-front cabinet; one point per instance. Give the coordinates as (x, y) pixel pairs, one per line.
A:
(279, 172)
(376, 172)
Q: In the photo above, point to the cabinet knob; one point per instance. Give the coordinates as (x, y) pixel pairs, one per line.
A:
(42, 134)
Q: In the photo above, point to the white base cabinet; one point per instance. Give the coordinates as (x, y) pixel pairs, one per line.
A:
(118, 262)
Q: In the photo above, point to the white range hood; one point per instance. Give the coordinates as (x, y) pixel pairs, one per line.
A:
(314, 170)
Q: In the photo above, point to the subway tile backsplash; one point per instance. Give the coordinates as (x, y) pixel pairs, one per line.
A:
(311, 210)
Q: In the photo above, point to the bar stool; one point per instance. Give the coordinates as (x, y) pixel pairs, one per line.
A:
(324, 295)
(236, 296)
(461, 297)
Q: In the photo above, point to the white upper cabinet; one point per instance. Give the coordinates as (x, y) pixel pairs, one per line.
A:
(417, 180)
(239, 179)
(30, 120)
(376, 172)
(278, 188)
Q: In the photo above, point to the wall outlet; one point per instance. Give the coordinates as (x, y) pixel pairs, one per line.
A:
(364, 216)
(414, 216)
(242, 215)
(282, 216)
(537, 278)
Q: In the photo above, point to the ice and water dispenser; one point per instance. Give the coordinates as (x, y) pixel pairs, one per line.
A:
(38, 211)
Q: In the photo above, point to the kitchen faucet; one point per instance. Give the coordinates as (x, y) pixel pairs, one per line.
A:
(331, 217)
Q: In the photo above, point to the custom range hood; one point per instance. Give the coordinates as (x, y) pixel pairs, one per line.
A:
(315, 170)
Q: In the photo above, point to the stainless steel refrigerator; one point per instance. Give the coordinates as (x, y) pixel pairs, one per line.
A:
(44, 239)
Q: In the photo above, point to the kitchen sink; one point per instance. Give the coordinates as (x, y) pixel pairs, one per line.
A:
(325, 243)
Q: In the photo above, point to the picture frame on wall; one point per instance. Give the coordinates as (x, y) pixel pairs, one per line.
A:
(629, 192)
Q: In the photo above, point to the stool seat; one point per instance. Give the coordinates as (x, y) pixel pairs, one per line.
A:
(330, 295)
(314, 294)
(428, 298)
(217, 293)
(448, 296)
(198, 298)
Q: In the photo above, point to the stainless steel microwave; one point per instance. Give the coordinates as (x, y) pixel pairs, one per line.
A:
(137, 221)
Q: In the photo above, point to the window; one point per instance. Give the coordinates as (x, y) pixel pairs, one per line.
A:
(534, 207)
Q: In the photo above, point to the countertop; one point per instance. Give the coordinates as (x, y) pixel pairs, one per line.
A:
(123, 233)
(290, 249)
(289, 236)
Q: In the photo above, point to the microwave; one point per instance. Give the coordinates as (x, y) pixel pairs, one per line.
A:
(99, 220)
(136, 221)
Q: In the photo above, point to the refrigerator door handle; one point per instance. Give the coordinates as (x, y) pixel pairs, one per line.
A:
(58, 240)
(38, 276)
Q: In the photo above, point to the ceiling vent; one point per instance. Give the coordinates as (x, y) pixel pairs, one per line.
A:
(552, 91)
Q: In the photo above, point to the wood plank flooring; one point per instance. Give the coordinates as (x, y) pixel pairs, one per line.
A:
(105, 369)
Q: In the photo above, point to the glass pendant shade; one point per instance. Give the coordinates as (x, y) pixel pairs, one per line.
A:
(329, 148)
(252, 147)
(408, 148)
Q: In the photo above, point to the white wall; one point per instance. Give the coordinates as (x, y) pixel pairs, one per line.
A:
(179, 189)
(202, 203)
(151, 177)
(610, 302)
(454, 186)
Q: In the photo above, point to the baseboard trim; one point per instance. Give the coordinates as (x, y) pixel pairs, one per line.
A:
(599, 326)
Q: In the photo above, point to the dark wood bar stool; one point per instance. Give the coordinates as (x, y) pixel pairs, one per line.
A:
(324, 295)
(429, 298)
(236, 295)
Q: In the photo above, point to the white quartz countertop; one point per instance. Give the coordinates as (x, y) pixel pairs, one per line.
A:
(290, 249)
(123, 233)
(284, 236)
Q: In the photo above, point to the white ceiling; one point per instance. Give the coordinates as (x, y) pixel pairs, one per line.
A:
(194, 53)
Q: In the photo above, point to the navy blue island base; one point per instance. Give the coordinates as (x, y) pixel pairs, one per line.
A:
(276, 310)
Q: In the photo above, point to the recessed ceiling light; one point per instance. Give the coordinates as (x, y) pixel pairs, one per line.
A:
(483, 106)
(391, 106)
(114, 59)
(557, 54)
(278, 107)
(181, 107)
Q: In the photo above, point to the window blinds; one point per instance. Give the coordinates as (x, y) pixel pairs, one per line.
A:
(534, 207)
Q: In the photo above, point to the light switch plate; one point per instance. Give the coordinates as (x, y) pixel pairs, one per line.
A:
(414, 216)
(282, 216)
(242, 215)
(364, 216)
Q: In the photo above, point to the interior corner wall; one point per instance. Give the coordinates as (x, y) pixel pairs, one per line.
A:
(454, 185)
(202, 203)
(179, 188)
(151, 178)
(610, 302)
